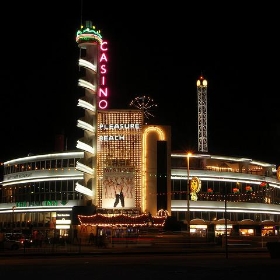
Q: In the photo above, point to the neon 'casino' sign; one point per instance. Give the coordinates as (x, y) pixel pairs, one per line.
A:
(103, 89)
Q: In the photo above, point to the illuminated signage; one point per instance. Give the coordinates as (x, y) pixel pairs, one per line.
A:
(62, 215)
(111, 138)
(117, 126)
(223, 227)
(63, 220)
(195, 188)
(103, 89)
(118, 187)
(19, 176)
(39, 203)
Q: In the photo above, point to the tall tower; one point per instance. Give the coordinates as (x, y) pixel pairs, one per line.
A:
(202, 114)
(89, 41)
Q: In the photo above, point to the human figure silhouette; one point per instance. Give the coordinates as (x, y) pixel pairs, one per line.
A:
(91, 238)
(121, 196)
(117, 199)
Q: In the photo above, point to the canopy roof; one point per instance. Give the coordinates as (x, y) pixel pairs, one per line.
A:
(122, 220)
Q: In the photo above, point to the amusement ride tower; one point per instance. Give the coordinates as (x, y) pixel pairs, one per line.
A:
(202, 114)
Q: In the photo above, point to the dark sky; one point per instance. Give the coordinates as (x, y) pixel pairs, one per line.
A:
(157, 51)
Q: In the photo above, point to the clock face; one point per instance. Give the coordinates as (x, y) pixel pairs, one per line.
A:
(278, 173)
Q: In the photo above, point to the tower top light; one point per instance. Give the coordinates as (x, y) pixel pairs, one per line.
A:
(88, 34)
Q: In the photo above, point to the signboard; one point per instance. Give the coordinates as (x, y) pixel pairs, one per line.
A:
(118, 190)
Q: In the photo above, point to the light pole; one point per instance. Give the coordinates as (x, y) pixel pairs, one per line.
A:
(226, 236)
(13, 224)
(188, 196)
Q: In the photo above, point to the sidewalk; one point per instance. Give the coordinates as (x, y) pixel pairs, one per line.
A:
(142, 248)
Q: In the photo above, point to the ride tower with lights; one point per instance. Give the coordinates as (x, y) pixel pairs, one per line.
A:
(202, 114)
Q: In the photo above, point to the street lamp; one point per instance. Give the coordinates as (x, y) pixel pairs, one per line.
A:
(226, 236)
(188, 196)
(13, 224)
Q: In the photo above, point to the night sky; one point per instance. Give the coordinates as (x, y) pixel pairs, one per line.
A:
(157, 52)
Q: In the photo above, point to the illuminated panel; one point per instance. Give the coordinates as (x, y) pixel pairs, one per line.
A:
(162, 137)
(85, 147)
(84, 168)
(36, 179)
(119, 151)
(62, 226)
(86, 105)
(45, 157)
(118, 189)
(85, 126)
(87, 64)
(63, 219)
(87, 85)
(80, 188)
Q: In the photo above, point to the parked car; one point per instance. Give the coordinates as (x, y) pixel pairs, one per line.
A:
(11, 244)
(26, 242)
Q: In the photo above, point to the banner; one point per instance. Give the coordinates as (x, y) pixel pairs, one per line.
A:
(118, 190)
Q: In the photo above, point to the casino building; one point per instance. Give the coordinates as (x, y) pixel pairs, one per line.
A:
(38, 192)
(124, 176)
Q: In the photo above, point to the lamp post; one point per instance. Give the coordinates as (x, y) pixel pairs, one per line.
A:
(226, 236)
(13, 223)
(188, 196)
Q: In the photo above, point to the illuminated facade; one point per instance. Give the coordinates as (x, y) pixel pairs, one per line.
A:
(38, 192)
(124, 167)
(115, 142)
(119, 157)
(156, 169)
(110, 172)
(243, 191)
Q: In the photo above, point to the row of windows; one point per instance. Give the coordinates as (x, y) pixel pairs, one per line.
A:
(65, 190)
(28, 218)
(232, 216)
(40, 165)
(43, 219)
(34, 199)
(219, 166)
(40, 191)
(216, 191)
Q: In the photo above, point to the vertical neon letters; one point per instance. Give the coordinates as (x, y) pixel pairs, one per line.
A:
(103, 89)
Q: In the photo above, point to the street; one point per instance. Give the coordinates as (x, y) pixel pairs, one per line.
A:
(142, 266)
